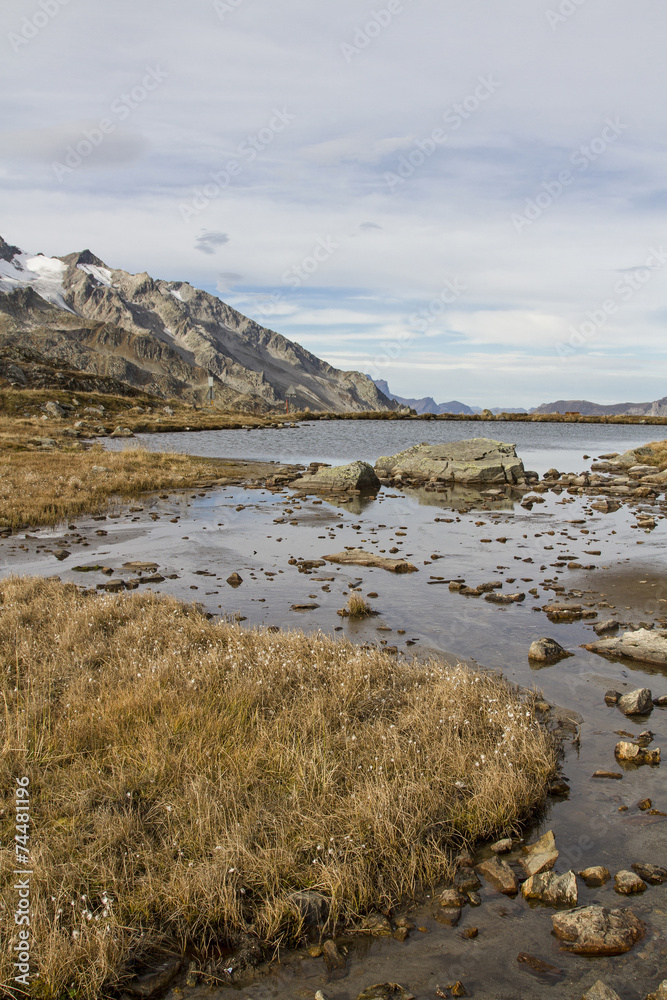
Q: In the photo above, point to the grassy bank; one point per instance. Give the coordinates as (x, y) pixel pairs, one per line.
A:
(186, 776)
(39, 488)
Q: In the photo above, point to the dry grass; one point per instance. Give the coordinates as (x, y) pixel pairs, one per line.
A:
(186, 776)
(46, 487)
(357, 607)
(659, 456)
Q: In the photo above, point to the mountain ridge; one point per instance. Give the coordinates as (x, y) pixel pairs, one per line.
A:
(163, 336)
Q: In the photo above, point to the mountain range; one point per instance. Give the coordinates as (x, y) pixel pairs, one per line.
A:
(658, 408)
(162, 337)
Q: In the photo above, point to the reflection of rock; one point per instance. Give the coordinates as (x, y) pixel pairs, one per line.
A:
(555, 890)
(547, 649)
(646, 645)
(358, 557)
(477, 461)
(356, 477)
(595, 930)
(540, 856)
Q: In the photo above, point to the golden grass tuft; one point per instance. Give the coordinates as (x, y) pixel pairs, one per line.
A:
(357, 607)
(187, 775)
(659, 456)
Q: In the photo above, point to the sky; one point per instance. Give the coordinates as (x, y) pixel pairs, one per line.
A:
(466, 198)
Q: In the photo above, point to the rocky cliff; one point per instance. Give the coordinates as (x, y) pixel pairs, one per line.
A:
(163, 336)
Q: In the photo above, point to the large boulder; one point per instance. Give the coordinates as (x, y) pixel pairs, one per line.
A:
(595, 930)
(477, 461)
(357, 477)
(645, 645)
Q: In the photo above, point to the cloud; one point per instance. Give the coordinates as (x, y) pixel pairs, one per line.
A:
(208, 242)
(227, 280)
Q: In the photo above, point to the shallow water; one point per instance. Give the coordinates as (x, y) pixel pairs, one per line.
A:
(540, 445)
(212, 536)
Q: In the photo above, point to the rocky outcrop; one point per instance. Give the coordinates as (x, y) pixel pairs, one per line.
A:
(358, 477)
(477, 461)
(595, 930)
(645, 645)
(163, 336)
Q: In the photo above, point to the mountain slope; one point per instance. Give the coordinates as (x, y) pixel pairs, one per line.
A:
(658, 408)
(427, 404)
(163, 336)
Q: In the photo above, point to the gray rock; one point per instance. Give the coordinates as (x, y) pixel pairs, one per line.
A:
(312, 907)
(477, 461)
(502, 846)
(55, 410)
(660, 993)
(552, 889)
(606, 626)
(595, 930)
(645, 645)
(637, 702)
(355, 477)
(359, 557)
(547, 649)
(122, 432)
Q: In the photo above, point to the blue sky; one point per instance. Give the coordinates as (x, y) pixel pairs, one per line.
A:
(465, 198)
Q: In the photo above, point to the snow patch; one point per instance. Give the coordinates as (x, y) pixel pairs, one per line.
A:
(101, 274)
(176, 294)
(44, 274)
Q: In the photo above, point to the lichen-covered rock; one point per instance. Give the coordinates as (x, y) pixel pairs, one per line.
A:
(600, 991)
(636, 754)
(477, 461)
(627, 883)
(540, 856)
(595, 930)
(637, 702)
(552, 889)
(500, 875)
(355, 477)
(595, 876)
(546, 649)
(645, 645)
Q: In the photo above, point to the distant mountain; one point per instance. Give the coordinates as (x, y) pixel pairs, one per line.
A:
(163, 337)
(587, 409)
(428, 405)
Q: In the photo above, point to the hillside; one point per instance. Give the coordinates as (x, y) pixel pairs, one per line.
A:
(163, 337)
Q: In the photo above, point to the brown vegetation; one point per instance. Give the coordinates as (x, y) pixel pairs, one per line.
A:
(46, 487)
(659, 456)
(186, 776)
